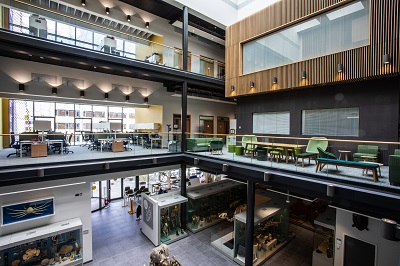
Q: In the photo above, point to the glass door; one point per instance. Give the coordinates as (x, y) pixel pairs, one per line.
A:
(95, 197)
(104, 192)
(116, 188)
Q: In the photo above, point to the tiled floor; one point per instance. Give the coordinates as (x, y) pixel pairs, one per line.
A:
(117, 240)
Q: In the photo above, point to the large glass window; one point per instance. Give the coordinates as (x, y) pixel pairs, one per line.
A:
(331, 122)
(271, 123)
(343, 28)
(69, 118)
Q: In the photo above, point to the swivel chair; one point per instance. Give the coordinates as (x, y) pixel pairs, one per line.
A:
(15, 144)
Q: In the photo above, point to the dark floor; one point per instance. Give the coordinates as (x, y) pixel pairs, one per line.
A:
(117, 240)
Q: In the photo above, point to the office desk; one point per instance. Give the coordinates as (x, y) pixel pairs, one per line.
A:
(155, 139)
(286, 146)
(117, 140)
(47, 142)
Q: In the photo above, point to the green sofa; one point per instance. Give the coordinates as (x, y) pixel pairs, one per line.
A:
(365, 150)
(200, 144)
(394, 168)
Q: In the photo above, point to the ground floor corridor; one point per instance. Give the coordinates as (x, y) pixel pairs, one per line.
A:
(117, 240)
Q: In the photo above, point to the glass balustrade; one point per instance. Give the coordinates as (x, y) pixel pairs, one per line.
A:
(370, 163)
(375, 163)
(110, 41)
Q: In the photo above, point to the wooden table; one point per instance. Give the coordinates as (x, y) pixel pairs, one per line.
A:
(346, 154)
(286, 146)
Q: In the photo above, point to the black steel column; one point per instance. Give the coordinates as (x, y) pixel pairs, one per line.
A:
(184, 84)
(183, 193)
(137, 182)
(250, 222)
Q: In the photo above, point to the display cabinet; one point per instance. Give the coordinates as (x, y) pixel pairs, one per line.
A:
(271, 230)
(162, 218)
(212, 202)
(324, 235)
(55, 244)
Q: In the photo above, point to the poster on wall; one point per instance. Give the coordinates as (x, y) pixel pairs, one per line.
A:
(27, 210)
(148, 214)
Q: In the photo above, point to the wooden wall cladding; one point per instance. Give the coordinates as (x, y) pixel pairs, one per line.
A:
(359, 63)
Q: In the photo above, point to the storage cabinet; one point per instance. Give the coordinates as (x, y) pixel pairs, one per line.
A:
(55, 244)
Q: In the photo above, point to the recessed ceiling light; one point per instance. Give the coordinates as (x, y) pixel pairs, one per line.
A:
(41, 57)
(94, 66)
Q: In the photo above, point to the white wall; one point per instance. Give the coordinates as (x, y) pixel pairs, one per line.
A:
(66, 206)
(14, 71)
(387, 251)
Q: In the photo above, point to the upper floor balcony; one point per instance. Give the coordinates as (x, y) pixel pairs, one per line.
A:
(367, 164)
(101, 34)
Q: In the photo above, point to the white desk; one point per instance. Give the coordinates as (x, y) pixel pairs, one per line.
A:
(30, 142)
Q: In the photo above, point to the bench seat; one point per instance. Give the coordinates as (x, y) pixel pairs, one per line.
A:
(369, 166)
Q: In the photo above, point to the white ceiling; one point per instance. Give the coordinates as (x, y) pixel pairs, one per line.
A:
(222, 13)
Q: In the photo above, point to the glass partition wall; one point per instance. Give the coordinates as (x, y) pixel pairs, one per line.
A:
(68, 118)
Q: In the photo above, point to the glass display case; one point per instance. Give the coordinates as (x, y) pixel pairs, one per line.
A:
(55, 244)
(271, 231)
(213, 202)
(324, 235)
(162, 218)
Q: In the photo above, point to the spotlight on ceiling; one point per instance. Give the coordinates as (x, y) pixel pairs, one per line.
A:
(274, 80)
(83, 2)
(303, 74)
(82, 93)
(146, 100)
(127, 98)
(21, 87)
(232, 88)
(54, 90)
(106, 95)
(107, 10)
(128, 18)
(251, 84)
(147, 24)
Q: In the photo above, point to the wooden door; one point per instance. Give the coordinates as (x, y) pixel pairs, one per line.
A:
(208, 68)
(222, 128)
(208, 126)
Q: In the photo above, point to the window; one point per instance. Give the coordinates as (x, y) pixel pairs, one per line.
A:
(343, 28)
(271, 123)
(331, 122)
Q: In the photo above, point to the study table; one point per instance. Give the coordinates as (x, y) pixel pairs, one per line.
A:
(286, 146)
(103, 141)
(33, 142)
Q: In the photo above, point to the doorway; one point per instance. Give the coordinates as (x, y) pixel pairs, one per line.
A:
(206, 125)
(222, 126)
(177, 125)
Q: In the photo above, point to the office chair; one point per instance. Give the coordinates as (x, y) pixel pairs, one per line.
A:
(15, 144)
(66, 145)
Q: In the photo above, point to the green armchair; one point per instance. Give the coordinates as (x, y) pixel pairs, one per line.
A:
(365, 150)
(394, 168)
(216, 146)
(249, 148)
